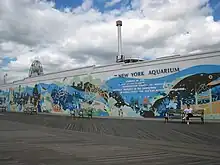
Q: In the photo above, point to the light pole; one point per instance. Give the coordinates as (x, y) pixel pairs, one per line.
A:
(5, 78)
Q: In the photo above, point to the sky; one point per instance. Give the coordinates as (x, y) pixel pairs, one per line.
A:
(66, 34)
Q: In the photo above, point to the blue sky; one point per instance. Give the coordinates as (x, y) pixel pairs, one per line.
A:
(100, 4)
(6, 61)
(68, 3)
(215, 4)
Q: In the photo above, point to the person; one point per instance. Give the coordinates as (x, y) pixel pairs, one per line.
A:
(73, 114)
(166, 117)
(121, 112)
(81, 113)
(90, 113)
(188, 113)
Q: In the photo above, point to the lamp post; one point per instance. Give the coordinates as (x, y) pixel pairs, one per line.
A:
(5, 78)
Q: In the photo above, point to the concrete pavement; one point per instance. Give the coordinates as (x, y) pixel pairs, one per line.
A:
(55, 140)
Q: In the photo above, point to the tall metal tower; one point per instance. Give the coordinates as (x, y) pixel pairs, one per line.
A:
(120, 56)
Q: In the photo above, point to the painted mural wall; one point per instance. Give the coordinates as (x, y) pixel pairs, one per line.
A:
(140, 90)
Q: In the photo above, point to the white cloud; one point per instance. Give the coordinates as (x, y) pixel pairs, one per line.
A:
(34, 29)
(86, 5)
(112, 3)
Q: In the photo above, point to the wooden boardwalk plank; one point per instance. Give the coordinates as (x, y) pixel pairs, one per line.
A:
(53, 140)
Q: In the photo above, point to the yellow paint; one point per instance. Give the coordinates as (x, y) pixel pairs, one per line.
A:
(216, 107)
(13, 108)
(208, 111)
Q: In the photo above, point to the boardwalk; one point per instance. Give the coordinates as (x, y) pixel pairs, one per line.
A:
(54, 140)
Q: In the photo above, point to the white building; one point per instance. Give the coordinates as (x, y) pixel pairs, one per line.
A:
(142, 89)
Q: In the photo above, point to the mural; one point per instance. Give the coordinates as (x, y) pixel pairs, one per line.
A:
(137, 97)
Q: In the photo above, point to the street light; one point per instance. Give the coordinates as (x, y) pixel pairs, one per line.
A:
(5, 78)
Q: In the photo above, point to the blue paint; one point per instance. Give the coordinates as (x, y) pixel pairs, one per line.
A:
(149, 99)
